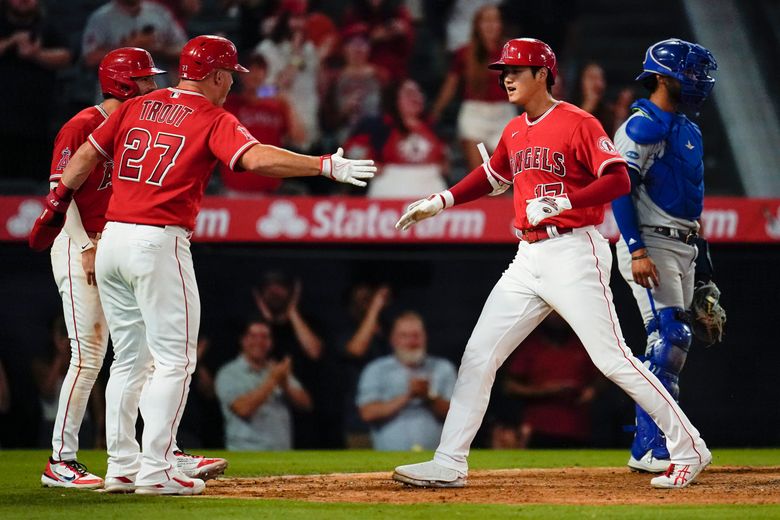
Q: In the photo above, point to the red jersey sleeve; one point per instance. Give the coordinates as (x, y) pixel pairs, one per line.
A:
(592, 148)
(65, 145)
(102, 137)
(229, 140)
(498, 166)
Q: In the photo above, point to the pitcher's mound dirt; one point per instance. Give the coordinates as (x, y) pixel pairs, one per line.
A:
(595, 486)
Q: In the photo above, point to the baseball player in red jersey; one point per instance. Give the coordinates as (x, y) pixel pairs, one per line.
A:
(124, 73)
(563, 169)
(164, 146)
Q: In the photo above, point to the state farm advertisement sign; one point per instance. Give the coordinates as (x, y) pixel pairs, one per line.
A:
(367, 221)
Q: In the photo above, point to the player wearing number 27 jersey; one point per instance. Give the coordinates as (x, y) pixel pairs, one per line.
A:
(164, 146)
(563, 169)
(153, 134)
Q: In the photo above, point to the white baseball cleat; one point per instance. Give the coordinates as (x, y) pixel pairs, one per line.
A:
(648, 463)
(69, 474)
(119, 484)
(429, 474)
(679, 475)
(198, 466)
(177, 485)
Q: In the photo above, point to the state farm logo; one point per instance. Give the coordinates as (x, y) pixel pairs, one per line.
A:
(282, 220)
(337, 220)
(20, 225)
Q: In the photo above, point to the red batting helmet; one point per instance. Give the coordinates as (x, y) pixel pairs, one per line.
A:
(204, 54)
(527, 52)
(120, 67)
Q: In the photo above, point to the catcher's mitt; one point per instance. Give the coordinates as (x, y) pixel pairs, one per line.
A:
(707, 315)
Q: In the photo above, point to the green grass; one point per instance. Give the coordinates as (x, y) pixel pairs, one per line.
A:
(21, 495)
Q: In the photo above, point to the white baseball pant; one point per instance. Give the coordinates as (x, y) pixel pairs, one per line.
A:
(88, 336)
(569, 274)
(152, 306)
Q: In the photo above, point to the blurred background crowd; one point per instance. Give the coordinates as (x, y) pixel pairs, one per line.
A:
(401, 81)
(361, 349)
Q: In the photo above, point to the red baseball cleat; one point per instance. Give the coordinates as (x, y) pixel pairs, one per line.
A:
(198, 466)
(69, 474)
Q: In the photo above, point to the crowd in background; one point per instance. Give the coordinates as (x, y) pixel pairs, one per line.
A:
(289, 381)
(404, 82)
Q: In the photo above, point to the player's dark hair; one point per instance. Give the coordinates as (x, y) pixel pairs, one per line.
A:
(107, 96)
(650, 83)
(550, 80)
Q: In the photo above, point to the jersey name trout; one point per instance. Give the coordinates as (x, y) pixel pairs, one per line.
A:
(166, 113)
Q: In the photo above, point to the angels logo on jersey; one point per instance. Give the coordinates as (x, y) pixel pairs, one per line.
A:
(606, 145)
(245, 132)
(64, 159)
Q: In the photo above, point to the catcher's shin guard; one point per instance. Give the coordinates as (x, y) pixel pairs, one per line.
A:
(669, 339)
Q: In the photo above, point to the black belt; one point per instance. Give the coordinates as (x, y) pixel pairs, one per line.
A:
(686, 236)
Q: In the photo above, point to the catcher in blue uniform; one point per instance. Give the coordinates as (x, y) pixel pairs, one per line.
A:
(660, 254)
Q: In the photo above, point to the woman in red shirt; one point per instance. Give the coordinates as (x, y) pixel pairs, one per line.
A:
(485, 110)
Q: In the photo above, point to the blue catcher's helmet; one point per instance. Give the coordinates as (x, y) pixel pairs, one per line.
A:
(687, 62)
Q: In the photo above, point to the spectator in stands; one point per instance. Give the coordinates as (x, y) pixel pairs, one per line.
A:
(269, 117)
(255, 391)
(134, 23)
(182, 10)
(31, 51)
(484, 111)
(405, 396)
(411, 156)
(277, 299)
(49, 374)
(293, 64)
(356, 90)
(361, 342)
(553, 377)
(591, 97)
(390, 32)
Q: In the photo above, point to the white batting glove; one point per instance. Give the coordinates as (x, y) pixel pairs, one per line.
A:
(425, 208)
(336, 167)
(541, 208)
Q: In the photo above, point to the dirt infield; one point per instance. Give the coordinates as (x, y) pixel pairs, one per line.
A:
(582, 486)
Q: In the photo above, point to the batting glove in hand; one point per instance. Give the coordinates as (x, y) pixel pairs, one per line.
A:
(336, 167)
(424, 208)
(51, 221)
(541, 208)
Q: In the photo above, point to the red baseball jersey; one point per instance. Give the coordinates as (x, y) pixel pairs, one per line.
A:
(558, 153)
(92, 198)
(165, 145)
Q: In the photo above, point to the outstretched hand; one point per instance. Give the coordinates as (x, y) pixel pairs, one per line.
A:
(351, 171)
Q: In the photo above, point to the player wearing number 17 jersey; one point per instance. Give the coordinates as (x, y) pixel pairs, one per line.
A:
(164, 146)
(563, 169)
